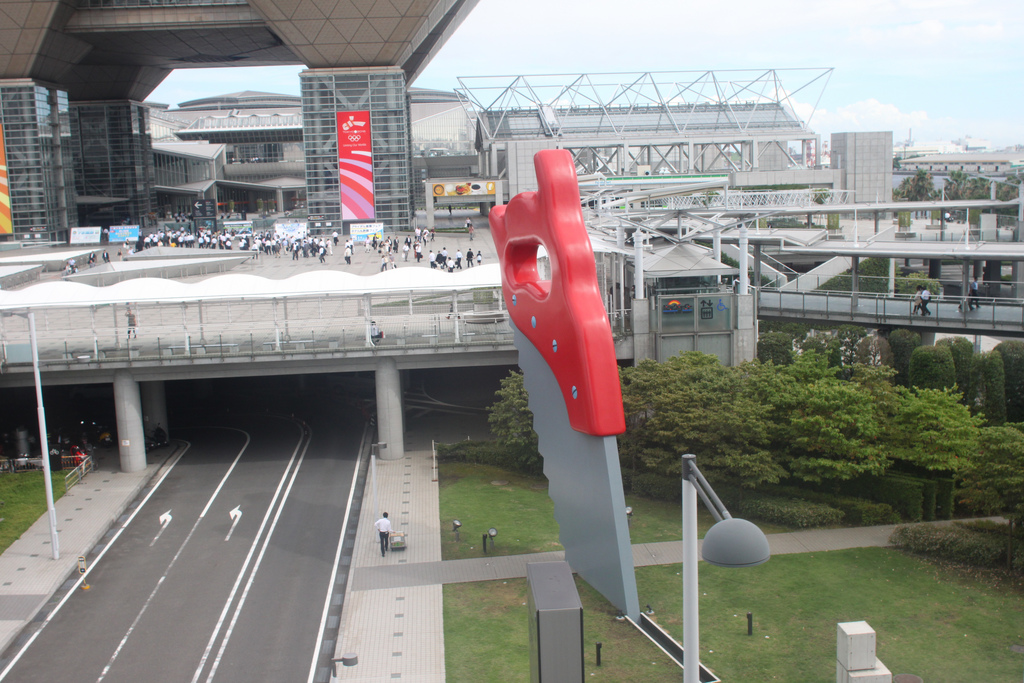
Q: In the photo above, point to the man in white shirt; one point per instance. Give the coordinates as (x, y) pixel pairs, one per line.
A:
(383, 526)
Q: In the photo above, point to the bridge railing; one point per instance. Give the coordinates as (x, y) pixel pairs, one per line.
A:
(996, 314)
(264, 327)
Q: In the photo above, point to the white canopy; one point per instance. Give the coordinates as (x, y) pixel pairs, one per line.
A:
(240, 286)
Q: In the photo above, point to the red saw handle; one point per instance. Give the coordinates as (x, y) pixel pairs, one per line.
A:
(563, 317)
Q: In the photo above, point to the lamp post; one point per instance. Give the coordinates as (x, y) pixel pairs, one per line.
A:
(729, 543)
(43, 444)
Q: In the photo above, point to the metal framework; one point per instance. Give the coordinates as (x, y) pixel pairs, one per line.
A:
(624, 104)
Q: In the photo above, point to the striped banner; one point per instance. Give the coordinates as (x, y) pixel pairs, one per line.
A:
(6, 224)
(355, 165)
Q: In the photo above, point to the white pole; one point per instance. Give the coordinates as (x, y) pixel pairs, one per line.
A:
(43, 445)
(691, 626)
(373, 476)
(744, 246)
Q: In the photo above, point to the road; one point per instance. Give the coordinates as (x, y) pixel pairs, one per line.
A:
(224, 573)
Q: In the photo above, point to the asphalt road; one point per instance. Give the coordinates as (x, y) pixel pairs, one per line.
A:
(226, 571)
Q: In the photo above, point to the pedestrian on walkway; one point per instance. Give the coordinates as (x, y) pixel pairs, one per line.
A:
(917, 301)
(383, 526)
(926, 296)
(972, 295)
(132, 321)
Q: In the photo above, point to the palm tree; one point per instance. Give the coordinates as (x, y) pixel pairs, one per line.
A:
(916, 188)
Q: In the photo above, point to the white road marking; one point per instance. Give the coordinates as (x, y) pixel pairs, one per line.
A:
(149, 600)
(235, 515)
(92, 566)
(337, 559)
(248, 558)
(165, 519)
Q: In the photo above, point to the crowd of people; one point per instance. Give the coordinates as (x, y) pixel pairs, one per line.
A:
(390, 250)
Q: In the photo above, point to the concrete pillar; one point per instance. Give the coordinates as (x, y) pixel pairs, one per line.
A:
(279, 199)
(927, 338)
(390, 419)
(128, 408)
(154, 407)
(428, 194)
(854, 280)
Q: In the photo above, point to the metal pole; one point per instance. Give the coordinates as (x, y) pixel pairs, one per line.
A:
(43, 445)
(373, 475)
(691, 625)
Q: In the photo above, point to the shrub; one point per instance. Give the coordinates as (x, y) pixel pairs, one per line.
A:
(931, 367)
(1012, 352)
(799, 514)
(954, 543)
(489, 453)
(928, 495)
(856, 511)
(963, 352)
(776, 347)
(905, 495)
(988, 393)
(657, 487)
(903, 342)
(944, 500)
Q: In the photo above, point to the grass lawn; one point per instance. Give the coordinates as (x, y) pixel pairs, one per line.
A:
(945, 625)
(486, 637)
(522, 512)
(24, 501)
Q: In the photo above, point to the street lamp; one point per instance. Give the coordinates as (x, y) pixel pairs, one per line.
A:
(44, 446)
(729, 543)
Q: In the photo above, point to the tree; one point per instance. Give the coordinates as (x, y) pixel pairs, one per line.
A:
(963, 354)
(511, 422)
(903, 342)
(822, 427)
(993, 479)
(775, 347)
(932, 429)
(691, 403)
(1012, 353)
(931, 367)
(988, 394)
(916, 188)
(873, 350)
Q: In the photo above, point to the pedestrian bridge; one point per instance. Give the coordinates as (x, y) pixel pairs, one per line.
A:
(233, 325)
(998, 317)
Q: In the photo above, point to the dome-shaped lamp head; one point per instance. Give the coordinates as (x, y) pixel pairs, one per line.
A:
(735, 543)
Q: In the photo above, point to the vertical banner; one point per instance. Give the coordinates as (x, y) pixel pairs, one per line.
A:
(355, 164)
(6, 225)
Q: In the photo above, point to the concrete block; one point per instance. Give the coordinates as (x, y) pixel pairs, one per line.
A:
(876, 674)
(855, 645)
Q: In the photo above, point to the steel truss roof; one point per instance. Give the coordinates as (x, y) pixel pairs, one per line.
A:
(679, 103)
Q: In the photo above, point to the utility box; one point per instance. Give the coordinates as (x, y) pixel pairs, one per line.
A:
(556, 624)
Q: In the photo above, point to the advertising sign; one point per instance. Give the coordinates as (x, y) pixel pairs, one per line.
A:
(290, 230)
(124, 233)
(238, 226)
(85, 235)
(462, 188)
(6, 224)
(362, 232)
(355, 165)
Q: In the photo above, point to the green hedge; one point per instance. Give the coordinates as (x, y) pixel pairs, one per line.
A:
(856, 511)
(904, 494)
(954, 543)
(944, 500)
(800, 514)
(929, 490)
(658, 487)
(489, 453)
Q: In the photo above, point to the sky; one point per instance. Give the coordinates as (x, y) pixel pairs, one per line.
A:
(938, 70)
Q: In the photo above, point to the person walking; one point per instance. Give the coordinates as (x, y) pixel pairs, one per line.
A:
(917, 301)
(132, 321)
(383, 526)
(972, 295)
(926, 296)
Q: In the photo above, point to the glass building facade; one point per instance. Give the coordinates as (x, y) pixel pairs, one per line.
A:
(381, 91)
(113, 160)
(37, 142)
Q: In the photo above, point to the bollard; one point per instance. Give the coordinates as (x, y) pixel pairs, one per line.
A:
(750, 623)
(599, 654)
